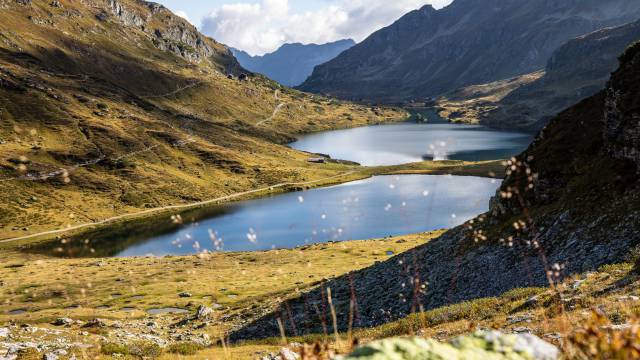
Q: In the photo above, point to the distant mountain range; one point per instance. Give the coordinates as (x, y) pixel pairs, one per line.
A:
(430, 52)
(292, 64)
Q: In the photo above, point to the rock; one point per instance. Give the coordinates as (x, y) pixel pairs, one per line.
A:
(50, 356)
(62, 322)
(521, 330)
(532, 301)
(317, 160)
(4, 333)
(628, 298)
(514, 319)
(95, 323)
(479, 346)
(203, 340)
(288, 354)
(185, 295)
(204, 313)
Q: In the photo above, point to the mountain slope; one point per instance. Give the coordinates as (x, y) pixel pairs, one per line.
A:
(576, 71)
(113, 106)
(427, 52)
(292, 64)
(569, 204)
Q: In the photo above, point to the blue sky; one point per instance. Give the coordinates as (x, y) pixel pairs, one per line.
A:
(261, 26)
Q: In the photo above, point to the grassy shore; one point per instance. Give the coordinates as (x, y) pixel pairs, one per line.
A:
(237, 285)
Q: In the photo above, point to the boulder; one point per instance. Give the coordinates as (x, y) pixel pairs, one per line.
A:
(204, 313)
(491, 345)
(63, 322)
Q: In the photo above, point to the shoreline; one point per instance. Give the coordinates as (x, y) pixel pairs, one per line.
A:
(489, 169)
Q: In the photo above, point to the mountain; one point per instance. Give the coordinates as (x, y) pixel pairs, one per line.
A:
(430, 52)
(292, 64)
(577, 70)
(569, 204)
(115, 106)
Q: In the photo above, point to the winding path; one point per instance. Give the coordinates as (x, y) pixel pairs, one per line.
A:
(173, 207)
(276, 110)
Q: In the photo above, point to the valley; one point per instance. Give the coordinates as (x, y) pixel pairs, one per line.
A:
(461, 184)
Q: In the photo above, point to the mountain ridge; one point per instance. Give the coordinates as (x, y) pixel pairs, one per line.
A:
(429, 52)
(292, 63)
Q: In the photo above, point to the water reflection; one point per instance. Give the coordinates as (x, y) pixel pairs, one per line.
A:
(377, 207)
(412, 142)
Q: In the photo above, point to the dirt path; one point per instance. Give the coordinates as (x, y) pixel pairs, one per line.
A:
(186, 87)
(172, 207)
(275, 111)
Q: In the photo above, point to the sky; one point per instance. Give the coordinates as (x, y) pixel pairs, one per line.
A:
(261, 26)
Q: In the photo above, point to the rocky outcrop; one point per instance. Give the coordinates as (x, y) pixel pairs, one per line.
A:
(622, 116)
(430, 52)
(126, 16)
(569, 204)
(176, 35)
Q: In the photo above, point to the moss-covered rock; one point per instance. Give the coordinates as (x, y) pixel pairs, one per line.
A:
(481, 345)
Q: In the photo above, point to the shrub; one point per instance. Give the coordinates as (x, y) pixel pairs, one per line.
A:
(141, 349)
(184, 348)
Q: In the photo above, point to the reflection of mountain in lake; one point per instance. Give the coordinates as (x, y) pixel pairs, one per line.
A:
(110, 241)
(372, 208)
(413, 142)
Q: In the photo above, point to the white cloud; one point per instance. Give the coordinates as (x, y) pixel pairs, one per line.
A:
(183, 14)
(261, 27)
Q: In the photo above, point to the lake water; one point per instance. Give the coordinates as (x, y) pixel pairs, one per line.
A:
(377, 207)
(411, 142)
(373, 208)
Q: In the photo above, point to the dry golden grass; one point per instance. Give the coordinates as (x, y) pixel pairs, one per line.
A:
(468, 105)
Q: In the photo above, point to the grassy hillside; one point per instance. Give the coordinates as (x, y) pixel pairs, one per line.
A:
(113, 106)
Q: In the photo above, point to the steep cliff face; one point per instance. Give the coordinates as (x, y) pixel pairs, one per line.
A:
(292, 64)
(428, 53)
(169, 32)
(622, 116)
(569, 204)
(577, 70)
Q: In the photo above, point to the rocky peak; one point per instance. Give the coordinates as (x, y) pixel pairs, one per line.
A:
(167, 31)
(127, 17)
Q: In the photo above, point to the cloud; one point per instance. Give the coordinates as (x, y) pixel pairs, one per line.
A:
(261, 27)
(183, 14)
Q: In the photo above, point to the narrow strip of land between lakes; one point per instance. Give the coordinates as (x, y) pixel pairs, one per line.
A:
(492, 169)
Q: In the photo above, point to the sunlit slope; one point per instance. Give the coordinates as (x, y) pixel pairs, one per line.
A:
(115, 106)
